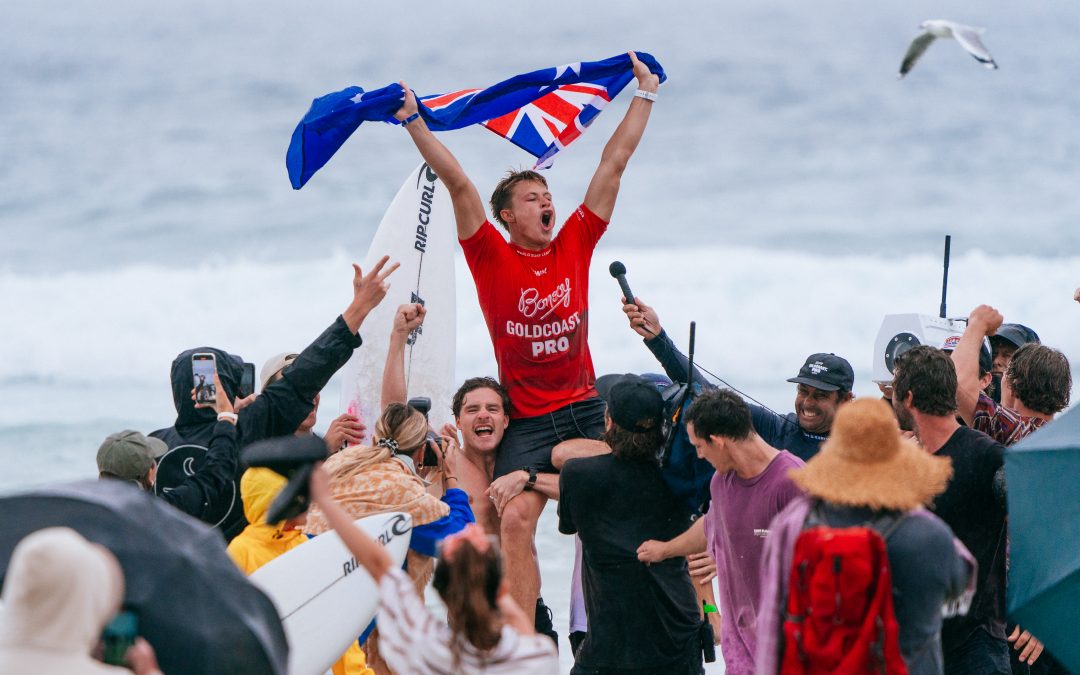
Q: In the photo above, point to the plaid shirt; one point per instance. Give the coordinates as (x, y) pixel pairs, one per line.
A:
(1004, 425)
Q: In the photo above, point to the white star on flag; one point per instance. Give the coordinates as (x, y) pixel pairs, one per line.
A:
(570, 67)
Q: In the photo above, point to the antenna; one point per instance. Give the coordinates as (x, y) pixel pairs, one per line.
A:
(683, 397)
(690, 366)
(945, 278)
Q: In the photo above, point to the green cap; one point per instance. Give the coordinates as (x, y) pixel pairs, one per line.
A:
(129, 455)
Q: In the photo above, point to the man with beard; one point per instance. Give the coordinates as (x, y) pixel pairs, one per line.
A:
(823, 384)
(481, 410)
(973, 506)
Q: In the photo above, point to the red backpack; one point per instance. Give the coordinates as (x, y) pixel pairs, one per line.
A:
(839, 616)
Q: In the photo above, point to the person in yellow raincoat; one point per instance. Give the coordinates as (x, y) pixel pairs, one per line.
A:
(261, 542)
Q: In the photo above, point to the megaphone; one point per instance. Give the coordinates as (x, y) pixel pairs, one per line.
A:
(901, 332)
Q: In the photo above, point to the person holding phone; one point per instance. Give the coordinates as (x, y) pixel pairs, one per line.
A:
(128, 455)
(280, 408)
(59, 593)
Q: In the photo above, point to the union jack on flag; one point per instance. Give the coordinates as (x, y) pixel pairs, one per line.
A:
(541, 112)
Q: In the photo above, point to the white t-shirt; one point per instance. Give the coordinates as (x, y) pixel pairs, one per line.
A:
(413, 641)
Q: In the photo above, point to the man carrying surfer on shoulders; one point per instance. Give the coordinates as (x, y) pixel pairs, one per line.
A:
(481, 410)
(533, 291)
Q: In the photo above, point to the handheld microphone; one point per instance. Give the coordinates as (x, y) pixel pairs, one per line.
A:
(618, 270)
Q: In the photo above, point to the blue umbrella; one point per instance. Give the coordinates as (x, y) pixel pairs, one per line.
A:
(196, 609)
(1043, 473)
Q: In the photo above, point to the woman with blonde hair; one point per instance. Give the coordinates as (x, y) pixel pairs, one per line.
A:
(381, 478)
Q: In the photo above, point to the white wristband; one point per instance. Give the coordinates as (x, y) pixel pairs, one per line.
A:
(227, 417)
(647, 95)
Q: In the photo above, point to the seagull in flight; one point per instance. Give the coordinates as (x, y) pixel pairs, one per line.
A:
(967, 36)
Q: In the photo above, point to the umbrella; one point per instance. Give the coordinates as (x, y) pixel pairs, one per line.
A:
(1044, 533)
(195, 607)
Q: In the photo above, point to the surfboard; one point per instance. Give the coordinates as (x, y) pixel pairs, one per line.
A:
(418, 231)
(324, 598)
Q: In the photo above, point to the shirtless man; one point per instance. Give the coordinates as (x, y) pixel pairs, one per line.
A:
(533, 291)
(481, 409)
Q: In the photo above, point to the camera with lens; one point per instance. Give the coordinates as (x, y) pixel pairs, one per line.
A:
(423, 404)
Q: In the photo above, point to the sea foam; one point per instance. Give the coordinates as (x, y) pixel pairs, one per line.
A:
(106, 338)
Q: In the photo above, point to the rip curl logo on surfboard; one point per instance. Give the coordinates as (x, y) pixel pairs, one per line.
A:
(398, 526)
(423, 217)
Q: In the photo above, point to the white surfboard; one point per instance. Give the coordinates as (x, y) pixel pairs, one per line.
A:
(324, 598)
(418, 231)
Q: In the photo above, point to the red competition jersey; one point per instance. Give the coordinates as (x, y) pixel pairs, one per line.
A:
(536, 307)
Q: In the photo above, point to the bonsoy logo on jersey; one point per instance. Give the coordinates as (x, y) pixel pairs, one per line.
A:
(530, 301)
(552, 337)
(423, 217)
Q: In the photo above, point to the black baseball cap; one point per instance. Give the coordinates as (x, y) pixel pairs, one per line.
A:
(827, 372)
(634, 403)
(1016, 333)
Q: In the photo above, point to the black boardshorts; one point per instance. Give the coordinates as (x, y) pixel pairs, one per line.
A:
(529, 440)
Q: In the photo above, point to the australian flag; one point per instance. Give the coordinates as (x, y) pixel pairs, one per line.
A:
(542, 112)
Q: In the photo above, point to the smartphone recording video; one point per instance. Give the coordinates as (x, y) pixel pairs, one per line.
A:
(203, 369)
(247, 381)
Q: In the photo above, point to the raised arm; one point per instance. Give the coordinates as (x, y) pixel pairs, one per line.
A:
(984, 320)
(407, 318)
(645, 322)
(366, 550)
(368, 291)
(281, 407)
(643, 319)
(604, 188)
(468, 207)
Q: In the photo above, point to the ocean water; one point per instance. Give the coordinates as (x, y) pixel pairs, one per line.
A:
(788, 192)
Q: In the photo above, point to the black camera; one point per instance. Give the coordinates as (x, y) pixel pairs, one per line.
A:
(423, 404)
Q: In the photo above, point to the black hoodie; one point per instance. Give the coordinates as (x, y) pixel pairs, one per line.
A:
(277, 411)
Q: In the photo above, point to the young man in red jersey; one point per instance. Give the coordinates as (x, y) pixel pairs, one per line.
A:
(533, 291)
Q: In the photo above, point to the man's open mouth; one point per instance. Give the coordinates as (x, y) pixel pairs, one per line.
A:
(484, 430)
(545, 218)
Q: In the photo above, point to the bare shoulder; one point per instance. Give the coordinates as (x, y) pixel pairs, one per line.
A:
(475, 481)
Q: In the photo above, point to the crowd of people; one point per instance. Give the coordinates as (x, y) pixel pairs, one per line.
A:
(849, 535)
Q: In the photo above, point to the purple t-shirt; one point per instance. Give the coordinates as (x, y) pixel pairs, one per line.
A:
(735, 528)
